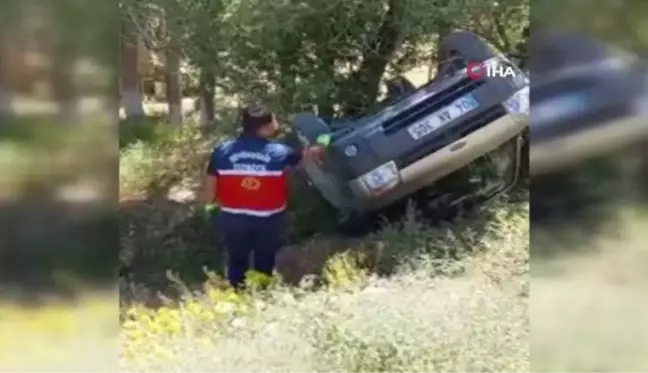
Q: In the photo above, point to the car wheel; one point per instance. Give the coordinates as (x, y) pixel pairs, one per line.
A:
(307, 127)
(399, 87)
(460, 47)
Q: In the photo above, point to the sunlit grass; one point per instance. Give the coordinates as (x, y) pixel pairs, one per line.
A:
(432, 315)
(588, 310)
(60, 335)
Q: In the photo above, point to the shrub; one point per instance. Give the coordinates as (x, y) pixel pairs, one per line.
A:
(173, 157)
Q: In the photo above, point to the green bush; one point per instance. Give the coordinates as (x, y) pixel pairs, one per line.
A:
(171, 156)
(146, 131)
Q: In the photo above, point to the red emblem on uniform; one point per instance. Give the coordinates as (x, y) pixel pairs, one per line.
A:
(251, 183)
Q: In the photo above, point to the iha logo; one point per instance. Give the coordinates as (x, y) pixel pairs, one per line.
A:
(481, 70)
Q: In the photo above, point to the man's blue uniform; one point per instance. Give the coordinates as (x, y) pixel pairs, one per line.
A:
(252, 193)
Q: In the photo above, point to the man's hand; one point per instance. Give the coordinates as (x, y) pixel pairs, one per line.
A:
(210, 209)
(315, 152)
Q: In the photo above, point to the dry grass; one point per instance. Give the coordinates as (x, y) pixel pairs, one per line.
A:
(432, 315)
(59, 336)
(588, 311)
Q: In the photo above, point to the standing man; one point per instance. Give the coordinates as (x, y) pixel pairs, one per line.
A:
(247, 180)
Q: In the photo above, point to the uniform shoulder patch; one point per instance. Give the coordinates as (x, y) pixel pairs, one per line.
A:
(277, 149)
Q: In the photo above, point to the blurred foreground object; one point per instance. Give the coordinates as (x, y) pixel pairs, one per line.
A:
(58, 146)
(58, 155)
(60, 336)
(587, 100)
(589, 130)
(588, 311)
(589, 117)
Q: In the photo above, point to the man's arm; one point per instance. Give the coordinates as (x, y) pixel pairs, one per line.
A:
(209, 194)
(313, 152)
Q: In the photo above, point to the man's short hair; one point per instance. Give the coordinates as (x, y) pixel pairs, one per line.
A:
(254, 117)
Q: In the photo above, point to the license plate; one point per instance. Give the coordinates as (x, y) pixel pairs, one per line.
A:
(451, 112)
(379, 179)
(381, 176)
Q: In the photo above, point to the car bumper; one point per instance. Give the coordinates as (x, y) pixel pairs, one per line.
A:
(442, 162)
(570, 149)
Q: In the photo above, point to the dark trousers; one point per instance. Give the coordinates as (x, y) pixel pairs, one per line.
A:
(245, 236)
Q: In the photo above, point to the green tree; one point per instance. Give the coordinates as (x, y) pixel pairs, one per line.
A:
(327, 55)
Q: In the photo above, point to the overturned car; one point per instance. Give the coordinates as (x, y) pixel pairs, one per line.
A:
(589, 101)
(455, 140)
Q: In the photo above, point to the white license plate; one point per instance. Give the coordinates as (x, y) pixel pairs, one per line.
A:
(451, 112)
(381, 176)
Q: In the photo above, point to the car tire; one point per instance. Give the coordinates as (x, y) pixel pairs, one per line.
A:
(399, 87)
(465, 45)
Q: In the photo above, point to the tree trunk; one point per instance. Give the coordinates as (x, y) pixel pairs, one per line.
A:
(6, 107)
(522, 49)
(130, 87)
(503, 44)
(363, 85)
(432, 65)
(326, 99)
(207, 88)
(172, 78)
(444, 29)
(64, 87)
